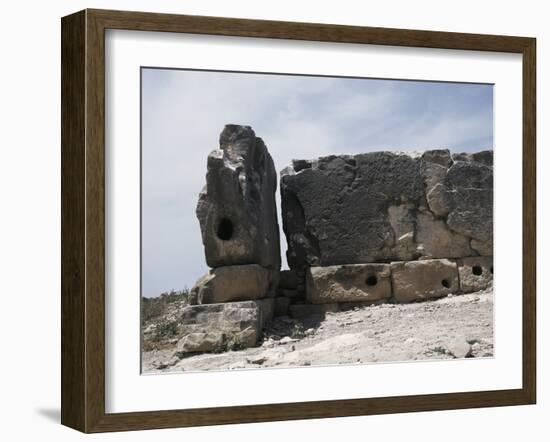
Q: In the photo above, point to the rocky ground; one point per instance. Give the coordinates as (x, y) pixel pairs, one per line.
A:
(452, 327)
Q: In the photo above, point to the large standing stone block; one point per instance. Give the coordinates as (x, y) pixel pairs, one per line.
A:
(348, 283)
(418, 280)
(219, 327)
(233, 283)
(385, 206)
(236, 208)
(335, 209)
(475, 273)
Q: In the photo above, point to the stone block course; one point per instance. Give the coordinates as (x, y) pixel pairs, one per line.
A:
(236, 208)
(420, 280)
(348, 283)
(361, 229)
(475, 273)
(217, 327)
(232, 283)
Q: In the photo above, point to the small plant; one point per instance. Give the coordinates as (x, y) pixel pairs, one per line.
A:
(297, 331)
(153, 308)
(233, 343)
(166, 330)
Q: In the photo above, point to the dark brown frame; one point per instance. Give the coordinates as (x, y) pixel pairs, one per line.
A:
(83, 216)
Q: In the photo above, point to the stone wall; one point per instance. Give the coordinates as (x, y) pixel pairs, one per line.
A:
(343, 286)
(383, 207)
(361, 229)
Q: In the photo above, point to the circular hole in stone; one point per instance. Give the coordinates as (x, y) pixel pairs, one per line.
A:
(225, 229)
(445, 283)
(491, 270)
(477, 270)
(372, 280)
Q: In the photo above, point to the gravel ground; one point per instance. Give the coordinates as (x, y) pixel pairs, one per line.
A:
(452, 327)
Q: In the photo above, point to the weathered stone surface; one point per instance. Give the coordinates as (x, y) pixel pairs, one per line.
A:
(403, 222)
(348, 283)
(470, 196)
(461, 189)
(384, 206)
(475, 273)
(434, 165)
(418, 280)
(436, 240)
(218, 327)
(201, 342)
(236, 208)
(299, 311)
(481, 247)
(335, 209)
(232, 283)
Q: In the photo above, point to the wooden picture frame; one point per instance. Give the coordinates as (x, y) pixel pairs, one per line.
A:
(83, 220)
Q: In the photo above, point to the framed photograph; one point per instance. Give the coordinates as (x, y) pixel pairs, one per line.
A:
(266, 220)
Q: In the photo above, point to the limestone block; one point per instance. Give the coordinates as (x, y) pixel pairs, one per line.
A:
(219, 327)
(236, 208)
(387, 206)
(335, 208)
(436, 240)
(232, 283)
(470, 194)
(348, 283)
(418, 280)
(481, 247)
(201, 342)
(484, 157)
(475, 273)
(403, 222)
(434, 166)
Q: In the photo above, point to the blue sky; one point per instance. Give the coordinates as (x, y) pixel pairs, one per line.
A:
(183, 113)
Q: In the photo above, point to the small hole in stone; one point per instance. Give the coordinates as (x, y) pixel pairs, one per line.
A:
(372, 280)
(445, 283)
(477, 270)
(225, 229)
(491, 270)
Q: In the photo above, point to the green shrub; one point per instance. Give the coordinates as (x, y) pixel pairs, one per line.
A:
(166, 330)
(297, 331)
(153, 308)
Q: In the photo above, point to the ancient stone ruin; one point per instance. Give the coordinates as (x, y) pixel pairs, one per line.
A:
(361, 229)
(238, 219)
(412, 214)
